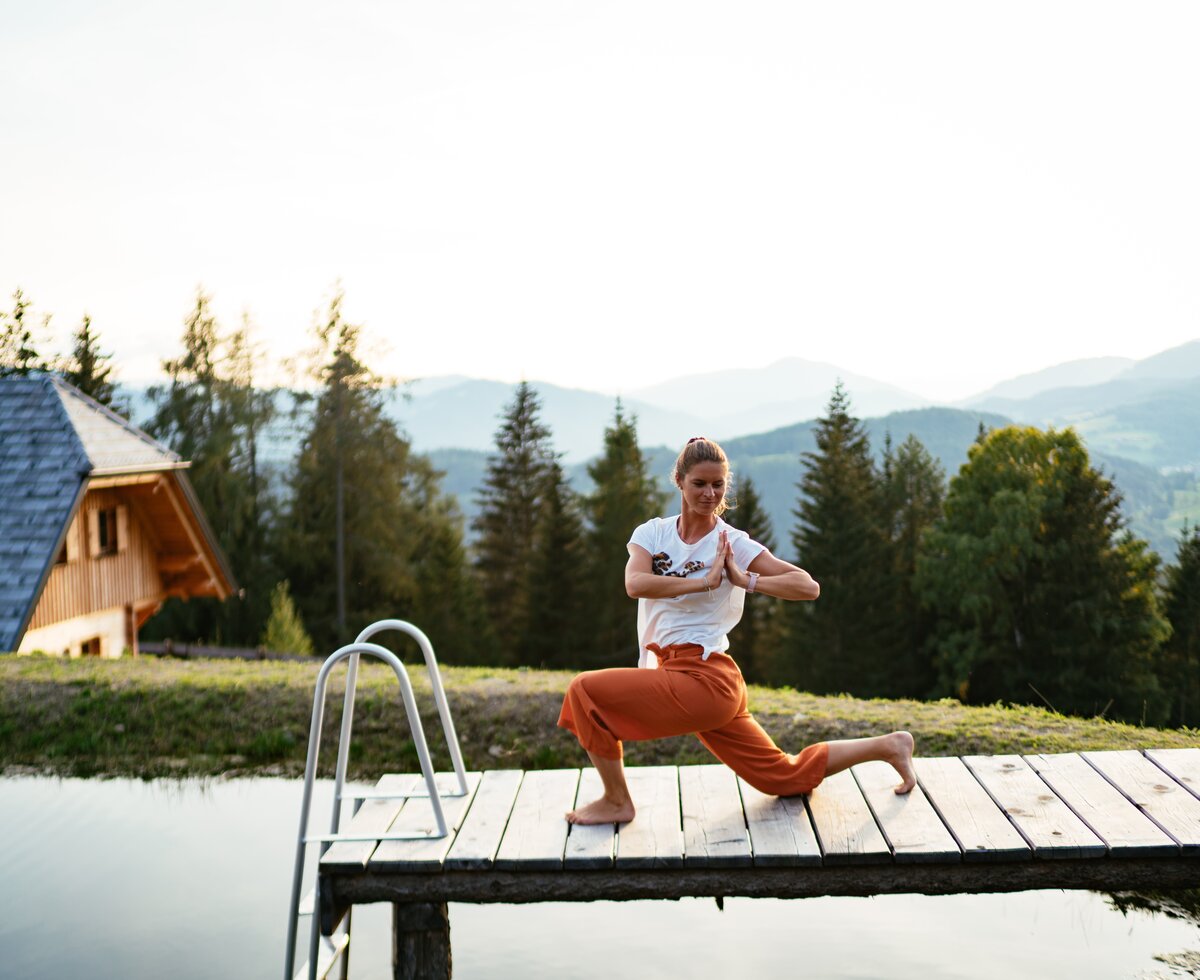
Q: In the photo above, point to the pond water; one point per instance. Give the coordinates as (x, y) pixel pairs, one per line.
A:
(120, 878)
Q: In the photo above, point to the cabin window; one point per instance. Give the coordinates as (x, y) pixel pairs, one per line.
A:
(90, 648)
(106, 522)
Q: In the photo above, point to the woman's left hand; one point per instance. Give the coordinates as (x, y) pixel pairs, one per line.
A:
(736, 576)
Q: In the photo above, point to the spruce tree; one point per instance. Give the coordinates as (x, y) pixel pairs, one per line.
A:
(1180, 664)
(560, 628)
(913, 487)
(756, 642)
(87, 368)
(509, 521)
(624, 496)
(285, 632)
(840, 642)
(1040, 593)
(367, 533)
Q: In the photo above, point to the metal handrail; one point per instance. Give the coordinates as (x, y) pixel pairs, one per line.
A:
(439, 697)
(352, 653)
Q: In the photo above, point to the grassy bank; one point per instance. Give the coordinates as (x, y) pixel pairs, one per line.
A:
(154, 717)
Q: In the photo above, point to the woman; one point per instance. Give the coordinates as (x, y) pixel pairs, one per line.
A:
(690, 575)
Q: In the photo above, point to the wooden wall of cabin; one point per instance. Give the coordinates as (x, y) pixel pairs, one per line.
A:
(89, 582)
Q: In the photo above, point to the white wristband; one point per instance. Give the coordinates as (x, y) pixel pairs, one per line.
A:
(753, 582)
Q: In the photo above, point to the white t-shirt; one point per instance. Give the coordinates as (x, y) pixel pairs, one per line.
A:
(700, 617)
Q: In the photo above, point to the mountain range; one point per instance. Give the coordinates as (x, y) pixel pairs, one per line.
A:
(1140, 419)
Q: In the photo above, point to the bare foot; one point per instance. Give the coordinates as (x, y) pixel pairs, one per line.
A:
(602, 810)
(900, 757)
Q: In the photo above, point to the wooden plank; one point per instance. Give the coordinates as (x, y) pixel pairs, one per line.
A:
(1116, 821)
(714, 826)
(417, 818)
(1182, 764)
(537, 830)
(844, 824)
(1045, 821)
(479, 837)
(373, 817)
(653, 839)
(1162, 799)
(910, 825)
(781, 834)
(982, 829)
(590, 846)
(475, 845)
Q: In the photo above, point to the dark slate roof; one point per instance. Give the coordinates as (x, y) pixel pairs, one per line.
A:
(43, 468)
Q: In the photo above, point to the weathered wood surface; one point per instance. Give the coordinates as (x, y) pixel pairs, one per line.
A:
(537, 830)
(1153, 792)
(971, 825)
(1042, 818)
(1182, 765)
(714, 825)
(910, 825)
(478, 839)
(590, 846)
(982, 829)
(373, 817)
(1116, 821)
(654, 839)
(417, 817)
(781, 833)
(845, 825)
(1113, 874)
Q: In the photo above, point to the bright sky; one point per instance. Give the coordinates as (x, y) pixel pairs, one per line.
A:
(606, 195)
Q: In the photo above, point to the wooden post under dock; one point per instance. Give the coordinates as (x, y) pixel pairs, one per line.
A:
(1097, 820)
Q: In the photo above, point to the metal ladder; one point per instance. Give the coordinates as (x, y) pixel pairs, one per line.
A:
(322, 956)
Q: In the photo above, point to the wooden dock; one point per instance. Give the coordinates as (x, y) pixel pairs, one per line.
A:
(1098, 820)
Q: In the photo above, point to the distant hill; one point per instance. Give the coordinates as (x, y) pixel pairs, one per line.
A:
(1072, 374)
(1178, 362)
(736, 401)
(1156, 504)
(466, 414)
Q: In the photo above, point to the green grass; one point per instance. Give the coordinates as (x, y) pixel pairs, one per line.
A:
(151, 717)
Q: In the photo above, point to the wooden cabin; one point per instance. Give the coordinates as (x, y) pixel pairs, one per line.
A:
(98, 525)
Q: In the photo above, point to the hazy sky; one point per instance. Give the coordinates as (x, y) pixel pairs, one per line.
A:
(940, 195)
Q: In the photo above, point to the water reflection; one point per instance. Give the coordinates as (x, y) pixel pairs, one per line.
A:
(121, 878)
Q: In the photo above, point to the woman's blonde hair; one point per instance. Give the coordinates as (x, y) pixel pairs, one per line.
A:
(701, 450)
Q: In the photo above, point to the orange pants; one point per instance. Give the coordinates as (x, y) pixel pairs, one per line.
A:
(686, 695)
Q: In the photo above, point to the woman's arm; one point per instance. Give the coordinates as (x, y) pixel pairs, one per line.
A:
(776, 577)
(642, 583)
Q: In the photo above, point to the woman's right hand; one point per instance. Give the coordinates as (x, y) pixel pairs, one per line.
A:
(712, 578)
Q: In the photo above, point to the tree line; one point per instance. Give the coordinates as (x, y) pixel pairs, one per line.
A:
(1016, 580)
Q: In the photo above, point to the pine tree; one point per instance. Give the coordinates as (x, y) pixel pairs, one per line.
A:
(1180, 667)
(625, 496)
(509, 520)
(758, 638)
(285, 632)
(1040, 594)
(18, 340)
(209, 412)
(840, 642)
(87, 368)
(913, 487)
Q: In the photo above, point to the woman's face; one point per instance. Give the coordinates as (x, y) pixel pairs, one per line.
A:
(704, 487)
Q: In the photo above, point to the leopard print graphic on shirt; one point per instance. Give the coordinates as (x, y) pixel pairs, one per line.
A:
(662, 562)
